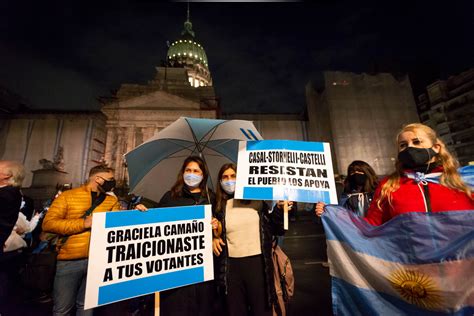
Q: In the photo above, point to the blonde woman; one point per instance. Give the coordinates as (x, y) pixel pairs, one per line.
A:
(425, 180)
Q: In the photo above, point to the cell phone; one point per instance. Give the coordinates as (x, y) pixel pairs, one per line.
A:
(135, 201)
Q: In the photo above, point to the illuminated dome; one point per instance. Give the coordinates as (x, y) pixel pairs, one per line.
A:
(188, 53)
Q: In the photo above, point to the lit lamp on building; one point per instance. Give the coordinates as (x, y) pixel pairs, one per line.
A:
(188, 53)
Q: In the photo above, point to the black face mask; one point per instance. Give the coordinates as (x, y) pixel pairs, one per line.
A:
(416, 158)
(107, 186)
(357, 180)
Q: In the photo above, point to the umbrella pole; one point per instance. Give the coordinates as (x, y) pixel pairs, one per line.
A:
(285, 215)
(157, 304)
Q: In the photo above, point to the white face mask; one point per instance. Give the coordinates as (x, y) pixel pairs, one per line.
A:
(192, 180)
(228, 186)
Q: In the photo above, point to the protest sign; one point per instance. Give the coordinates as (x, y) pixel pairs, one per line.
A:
(285, 170)
(135, 253)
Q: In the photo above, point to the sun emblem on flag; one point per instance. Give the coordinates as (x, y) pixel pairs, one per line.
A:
(416, 288)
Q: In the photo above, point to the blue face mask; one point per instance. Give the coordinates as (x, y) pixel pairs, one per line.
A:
(228, 186)
(192, 180)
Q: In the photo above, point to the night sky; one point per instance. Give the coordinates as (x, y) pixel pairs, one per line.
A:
(64, 54)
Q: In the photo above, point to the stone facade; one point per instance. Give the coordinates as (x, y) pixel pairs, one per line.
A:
(359, 115)
(137, 112)
(448, 107)
(29, 137)
(276, 126)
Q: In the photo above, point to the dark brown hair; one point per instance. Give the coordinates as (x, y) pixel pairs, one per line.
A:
(361, 166)
(98, 169)
(221, 195)
(177, 188)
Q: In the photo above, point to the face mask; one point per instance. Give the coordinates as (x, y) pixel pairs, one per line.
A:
(192, 180)
(108, 185)
(228, 186)
(357, 180)
(415, 158)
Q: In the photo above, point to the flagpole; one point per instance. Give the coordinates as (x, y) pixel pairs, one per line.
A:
(157, 304)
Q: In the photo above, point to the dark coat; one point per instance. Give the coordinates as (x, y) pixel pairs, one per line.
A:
(10, 201)
(195, 299)
(186, 199)
(271, 224)
(357, 202)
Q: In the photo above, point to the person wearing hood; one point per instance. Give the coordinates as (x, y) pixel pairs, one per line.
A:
(359, 187)
(70, 216)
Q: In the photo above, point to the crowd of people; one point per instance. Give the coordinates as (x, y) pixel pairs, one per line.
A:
(425, 179)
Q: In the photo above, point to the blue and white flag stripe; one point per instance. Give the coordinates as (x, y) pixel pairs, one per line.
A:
(412, 232)
(372, 303)
(133, 288)
(416, 263)
(301, 195)
(170, 214)
(383, 275)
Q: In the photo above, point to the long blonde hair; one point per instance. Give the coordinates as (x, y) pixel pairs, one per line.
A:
(449, 178)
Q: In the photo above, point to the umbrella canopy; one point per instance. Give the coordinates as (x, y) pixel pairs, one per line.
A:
(154, 165)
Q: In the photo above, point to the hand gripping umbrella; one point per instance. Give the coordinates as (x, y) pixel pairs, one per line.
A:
(153, 165)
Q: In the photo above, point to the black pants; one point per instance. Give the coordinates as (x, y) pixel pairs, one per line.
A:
(10, 287)
(246, 287)
(192, 300)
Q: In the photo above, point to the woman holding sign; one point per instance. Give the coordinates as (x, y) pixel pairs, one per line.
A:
(425, 180)
(243, 245)
(190, 188)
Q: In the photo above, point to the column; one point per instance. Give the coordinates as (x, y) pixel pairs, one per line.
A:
(110, 145)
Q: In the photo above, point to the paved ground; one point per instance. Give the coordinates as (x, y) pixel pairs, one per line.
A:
(304, 244)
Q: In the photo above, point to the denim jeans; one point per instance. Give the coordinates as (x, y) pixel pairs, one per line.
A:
(70, 287)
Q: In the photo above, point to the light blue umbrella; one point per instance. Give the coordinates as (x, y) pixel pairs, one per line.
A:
(154, 165)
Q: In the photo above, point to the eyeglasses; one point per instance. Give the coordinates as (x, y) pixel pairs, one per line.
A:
(106, 179)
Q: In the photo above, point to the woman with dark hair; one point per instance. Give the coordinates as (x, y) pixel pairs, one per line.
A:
(190, 188)
(359, 187)
(243, 245)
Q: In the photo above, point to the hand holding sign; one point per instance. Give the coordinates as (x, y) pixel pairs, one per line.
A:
(319, 208)
(135, 254)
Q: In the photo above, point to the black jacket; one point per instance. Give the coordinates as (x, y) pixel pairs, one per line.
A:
(10, 202)
(195, 299)
(187, 198)
(271, 224)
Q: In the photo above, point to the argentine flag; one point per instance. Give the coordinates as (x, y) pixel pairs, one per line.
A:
(415, 264)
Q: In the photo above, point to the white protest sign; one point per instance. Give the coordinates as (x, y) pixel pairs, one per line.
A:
(135, 253)
(285, 170)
